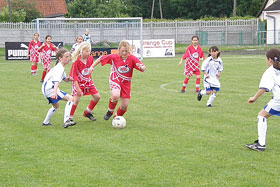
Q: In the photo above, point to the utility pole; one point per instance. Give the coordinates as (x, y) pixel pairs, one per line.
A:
(10, 11)
(160, 9)
(234, 8)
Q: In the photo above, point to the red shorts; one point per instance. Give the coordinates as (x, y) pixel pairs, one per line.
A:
(90, 90)
(189, 72)
(123, 87)
(34, 58)
(46, 65)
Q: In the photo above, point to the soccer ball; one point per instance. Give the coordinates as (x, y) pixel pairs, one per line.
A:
(119, 122)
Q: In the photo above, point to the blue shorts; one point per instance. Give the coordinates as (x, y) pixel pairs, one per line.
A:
(271, 111)
(59, 97)
(212, 88)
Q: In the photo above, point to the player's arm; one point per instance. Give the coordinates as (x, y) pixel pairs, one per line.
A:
(219, 74)
(68, 79)
(41, 46)
(54, 95)
(257, 95)
(141, 67)
(28, 50)
(79, 91)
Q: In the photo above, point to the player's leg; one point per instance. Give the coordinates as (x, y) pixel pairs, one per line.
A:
(212, 97)
(113, 101)
(123, 106)
(92, 104)
(186, 80)
(68, 107)
(197, 82)
(207, 90)
(45, 69)
(76, 99)
(50, 113)
(259, 145)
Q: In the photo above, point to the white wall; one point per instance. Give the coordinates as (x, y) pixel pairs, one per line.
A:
(270, 27)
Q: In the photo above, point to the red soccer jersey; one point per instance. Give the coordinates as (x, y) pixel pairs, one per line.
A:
(121, 70)
(33, 49)
(47, 52)
(80, 72)
(193, 54)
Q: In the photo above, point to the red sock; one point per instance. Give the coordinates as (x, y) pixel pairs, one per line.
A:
(112, 106)
(43, 75)
(120, 112)
(197, 84)
(91, 105)
(73, 109)
(32, 69)
(185, 83)
(35, 69)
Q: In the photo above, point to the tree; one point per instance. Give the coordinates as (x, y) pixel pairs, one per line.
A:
(28, 6)
(17, 16)
(248, 7)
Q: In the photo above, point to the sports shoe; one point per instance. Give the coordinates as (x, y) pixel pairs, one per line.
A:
(108, 115)
(256, 146)
(67, 124)
(199, 95)
(209, 105)
(48, 124)
(182, 91)
(72, 123)
(89, 116)
(41, 81)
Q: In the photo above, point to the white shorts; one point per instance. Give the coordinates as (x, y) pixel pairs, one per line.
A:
(273, 107)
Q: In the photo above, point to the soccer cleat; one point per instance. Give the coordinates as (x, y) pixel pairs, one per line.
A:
(209, 105)
(41, 81)
(89, 116)
(72, 123)
(182, 91)
(256, 146)
(67, 124)
(199, 95)
(108, 115)
(48, 124)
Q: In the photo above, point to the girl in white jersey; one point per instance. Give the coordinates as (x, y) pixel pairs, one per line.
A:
(51, 91)
(270, 82)
(212, 68)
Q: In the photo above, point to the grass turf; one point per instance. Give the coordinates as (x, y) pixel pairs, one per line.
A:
(171, 139)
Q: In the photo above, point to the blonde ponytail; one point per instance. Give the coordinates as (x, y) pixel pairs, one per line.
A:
(79, 51)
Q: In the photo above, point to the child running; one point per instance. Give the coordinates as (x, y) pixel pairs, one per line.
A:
(75, 46)
(120, 77)
(33, 53)
(82, 84)
(192, 56)
(46, 51)
(212, 68)
(270, 81)
(51, 91)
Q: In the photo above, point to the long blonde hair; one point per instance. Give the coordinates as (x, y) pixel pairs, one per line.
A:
(78, 52)
(126, 45)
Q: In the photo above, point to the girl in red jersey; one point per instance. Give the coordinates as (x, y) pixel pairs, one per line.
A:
(120, 77)
(46, 52)
(33, 53)
(83, 84)
(192, 56)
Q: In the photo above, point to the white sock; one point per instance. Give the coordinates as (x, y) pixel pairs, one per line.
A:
(67, 110)
(203, 92)
(211, 99)
(262, 127)
(50, 113)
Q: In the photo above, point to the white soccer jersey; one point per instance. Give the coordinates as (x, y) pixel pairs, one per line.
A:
(212, 67)
(271, 82)
(74, 48)
(56, 74)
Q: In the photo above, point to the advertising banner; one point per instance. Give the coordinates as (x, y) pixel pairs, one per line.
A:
(97, 52)
(18, 50)
(153, 48)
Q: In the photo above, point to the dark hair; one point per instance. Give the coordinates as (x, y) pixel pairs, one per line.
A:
(48, 36)
(36, 33)
(214, 49)
(60, 54)
(274, 55)
(195, 37)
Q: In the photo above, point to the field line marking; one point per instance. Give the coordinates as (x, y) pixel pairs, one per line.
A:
(162, 86)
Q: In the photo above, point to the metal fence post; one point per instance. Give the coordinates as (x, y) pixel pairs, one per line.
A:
(176, 31)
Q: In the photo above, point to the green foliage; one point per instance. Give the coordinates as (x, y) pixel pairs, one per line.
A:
(248, 7)
(17, 15)
(28, 6)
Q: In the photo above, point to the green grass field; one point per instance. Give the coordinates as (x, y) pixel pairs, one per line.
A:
(171, 139)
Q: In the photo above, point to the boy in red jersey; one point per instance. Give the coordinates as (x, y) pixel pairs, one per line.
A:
(83, 84)
(120, 77)
(46, 52)
(192, 56)
(33, 53)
